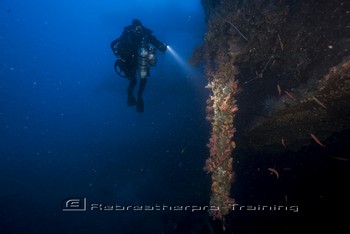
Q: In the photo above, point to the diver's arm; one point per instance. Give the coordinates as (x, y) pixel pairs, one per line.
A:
(158, 44)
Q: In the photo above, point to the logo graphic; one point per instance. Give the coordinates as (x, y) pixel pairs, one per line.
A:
(74, 204)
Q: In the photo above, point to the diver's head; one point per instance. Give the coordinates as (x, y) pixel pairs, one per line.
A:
(137, 25)
(136, 22)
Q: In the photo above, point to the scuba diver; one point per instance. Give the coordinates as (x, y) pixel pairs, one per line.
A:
(135, 50)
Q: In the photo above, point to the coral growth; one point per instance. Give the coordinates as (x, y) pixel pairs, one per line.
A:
(282, 50)
(221, 109)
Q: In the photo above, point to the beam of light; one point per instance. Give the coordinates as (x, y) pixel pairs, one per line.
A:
(192, 74)
(185, 66)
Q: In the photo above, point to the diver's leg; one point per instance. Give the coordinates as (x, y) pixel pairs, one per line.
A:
(141, 87)
(140, 104)
(131, 98)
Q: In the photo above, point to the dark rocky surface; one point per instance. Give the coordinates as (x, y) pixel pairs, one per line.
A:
(293, 61)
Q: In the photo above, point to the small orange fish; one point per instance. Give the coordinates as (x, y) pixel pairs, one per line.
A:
(289, 95)
(282, 141)
(340, 158)
(233, 144)
(279, 89)
(317, 140)
(286, 199)
(319, 102)
(274, 171)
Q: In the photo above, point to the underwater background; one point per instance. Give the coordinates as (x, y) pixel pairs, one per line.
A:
(67, 133)
(66, 130)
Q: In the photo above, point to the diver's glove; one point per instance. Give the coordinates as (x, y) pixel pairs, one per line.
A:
(162, 48)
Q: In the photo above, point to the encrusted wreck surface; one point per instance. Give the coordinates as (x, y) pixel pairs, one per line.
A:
(322, 112)
(293, 58)
(290, 63)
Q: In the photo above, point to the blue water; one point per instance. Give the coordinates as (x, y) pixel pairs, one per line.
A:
(66, 130)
